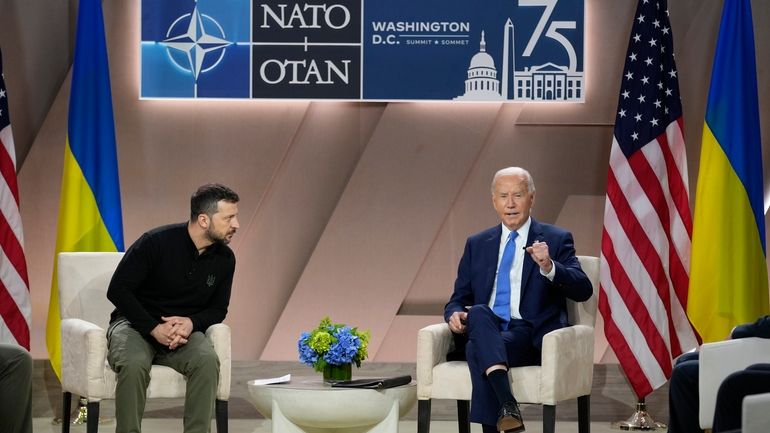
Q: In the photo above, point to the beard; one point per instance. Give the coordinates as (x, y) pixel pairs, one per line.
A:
(217, 238)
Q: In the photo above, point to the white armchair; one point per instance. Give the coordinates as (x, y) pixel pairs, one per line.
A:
(566, 370)
(85, 312)
(755, 417)
(719, 360)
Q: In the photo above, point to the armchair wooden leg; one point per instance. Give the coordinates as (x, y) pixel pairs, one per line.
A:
(584, 414)
(92, 422)
(65, 412)
(423, 416)
(549, 418)
(463, 420)
(221, 415)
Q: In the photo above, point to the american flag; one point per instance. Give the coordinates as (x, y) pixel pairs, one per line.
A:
(15, 309)
(645, 250)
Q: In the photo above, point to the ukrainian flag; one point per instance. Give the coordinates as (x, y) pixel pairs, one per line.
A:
(728, 273)
(89, 211)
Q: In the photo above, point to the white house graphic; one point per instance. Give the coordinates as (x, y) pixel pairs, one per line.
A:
(546, 82)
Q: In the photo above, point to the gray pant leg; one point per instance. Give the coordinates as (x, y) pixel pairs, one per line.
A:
(197, 361)
(130, 356)
(15, 389)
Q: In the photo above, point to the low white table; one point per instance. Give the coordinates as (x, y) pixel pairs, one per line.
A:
(306, 404)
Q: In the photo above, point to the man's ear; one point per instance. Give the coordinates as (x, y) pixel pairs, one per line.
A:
(203, 220)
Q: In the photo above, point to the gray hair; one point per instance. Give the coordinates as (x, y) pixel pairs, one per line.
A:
(514, 171)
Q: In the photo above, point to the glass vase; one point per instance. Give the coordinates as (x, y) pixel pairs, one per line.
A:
(337, 373)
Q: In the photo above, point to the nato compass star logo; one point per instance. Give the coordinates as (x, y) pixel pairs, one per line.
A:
(196, 42)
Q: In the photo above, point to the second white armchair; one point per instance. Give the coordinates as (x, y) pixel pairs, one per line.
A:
(566, 370)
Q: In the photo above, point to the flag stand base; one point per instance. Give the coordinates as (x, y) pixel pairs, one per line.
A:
(82, 415)
(640, 420)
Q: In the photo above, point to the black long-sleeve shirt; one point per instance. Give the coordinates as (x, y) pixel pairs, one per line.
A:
(162, 274)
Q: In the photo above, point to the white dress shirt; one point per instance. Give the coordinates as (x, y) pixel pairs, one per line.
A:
(516, 267)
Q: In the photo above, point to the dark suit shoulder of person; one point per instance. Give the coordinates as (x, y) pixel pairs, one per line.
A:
(486, 233)
(760, 328)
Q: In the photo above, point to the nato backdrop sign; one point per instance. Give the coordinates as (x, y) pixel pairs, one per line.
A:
(364, 50)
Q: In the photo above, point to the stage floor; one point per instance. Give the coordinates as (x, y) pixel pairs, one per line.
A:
(159, 425)
(611, 400)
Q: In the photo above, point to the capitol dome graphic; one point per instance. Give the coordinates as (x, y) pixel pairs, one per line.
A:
(482, 83)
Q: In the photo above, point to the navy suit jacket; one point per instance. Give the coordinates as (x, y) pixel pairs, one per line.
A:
(543, 302)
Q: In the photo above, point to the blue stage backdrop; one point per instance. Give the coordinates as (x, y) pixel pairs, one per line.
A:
(366, 50)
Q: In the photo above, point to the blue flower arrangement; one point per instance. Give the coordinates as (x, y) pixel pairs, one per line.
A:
(332, 344)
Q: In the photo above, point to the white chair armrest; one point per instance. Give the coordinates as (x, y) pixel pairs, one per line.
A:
(433, 343)
(83, 358)
(719, 360)
(219, 334)
(567, 353)
(755, 416)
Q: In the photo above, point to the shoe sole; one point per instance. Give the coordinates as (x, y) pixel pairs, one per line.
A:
(510, 425)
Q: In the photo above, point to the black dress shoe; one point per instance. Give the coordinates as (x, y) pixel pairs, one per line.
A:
(509, 418)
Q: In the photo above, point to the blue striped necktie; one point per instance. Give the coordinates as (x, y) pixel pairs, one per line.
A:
(502, 306)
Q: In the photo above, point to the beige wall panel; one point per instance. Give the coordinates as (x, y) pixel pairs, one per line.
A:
(385, 221)
(279, 237)
(694, 25)
(35, 39)
(400, 343)
(433, 284)
(584, 214)
(39, 184)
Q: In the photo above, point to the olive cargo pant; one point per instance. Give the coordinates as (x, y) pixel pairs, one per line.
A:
(131, 357)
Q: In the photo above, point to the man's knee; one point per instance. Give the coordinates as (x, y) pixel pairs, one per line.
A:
(732, 383)
(23, 362)
(686, 357)
(684, 373)
(762, 367)
(478, 313)
(207, 361)
(205, 357)
(131, 363)
(16, 360)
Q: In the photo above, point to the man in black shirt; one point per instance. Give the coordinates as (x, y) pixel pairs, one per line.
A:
(171, 285)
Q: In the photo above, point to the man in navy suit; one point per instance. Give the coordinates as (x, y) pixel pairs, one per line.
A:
(511, 289)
